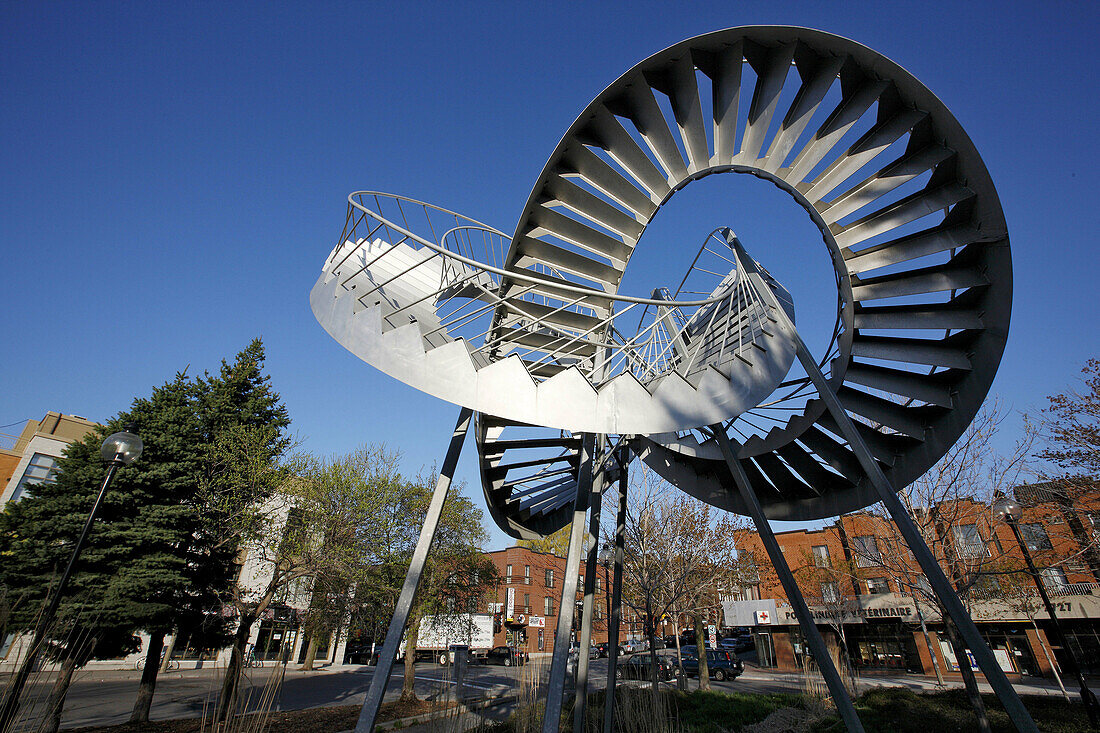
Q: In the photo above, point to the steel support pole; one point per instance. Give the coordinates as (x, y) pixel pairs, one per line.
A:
(1087, 697)
(590, 569)
(940, 585)
(886, 493)
(560, 661)
(377, 689)
(790, 587)
(616, 590)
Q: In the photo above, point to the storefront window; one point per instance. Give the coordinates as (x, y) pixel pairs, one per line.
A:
(883, 646)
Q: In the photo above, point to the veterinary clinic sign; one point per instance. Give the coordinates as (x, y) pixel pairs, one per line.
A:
(875, 608)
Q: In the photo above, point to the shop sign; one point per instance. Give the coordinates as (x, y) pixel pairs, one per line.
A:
(762, 617)
(510, 608)
(537, 621)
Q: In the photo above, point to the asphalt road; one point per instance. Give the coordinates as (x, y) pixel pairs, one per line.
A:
(107, 697)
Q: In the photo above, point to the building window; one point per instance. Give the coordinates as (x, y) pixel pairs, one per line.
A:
(876, 586)
(866, 549)
(41, 469)
(598, 588)
(527, 603)
(527, 575)
(968, 541)
(1035, 537)
(830, 592)
(549, 577)
(821, 556)
(508, 573)
(1053, 578)
(548, 606)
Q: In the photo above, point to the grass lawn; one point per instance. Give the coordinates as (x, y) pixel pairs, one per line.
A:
(897, 710)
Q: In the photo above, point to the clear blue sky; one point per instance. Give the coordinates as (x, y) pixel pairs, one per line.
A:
(175, 173)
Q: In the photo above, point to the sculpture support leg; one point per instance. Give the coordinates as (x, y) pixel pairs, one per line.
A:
(377, 689)
(590, 566)
(560, 660)
(886, 493)
(616, 590)
(951, 603)
(794, 595)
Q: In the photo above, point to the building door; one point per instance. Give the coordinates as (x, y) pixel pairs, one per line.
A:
(765, 649)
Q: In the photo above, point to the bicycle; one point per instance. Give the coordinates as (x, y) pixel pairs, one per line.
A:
(172, 663)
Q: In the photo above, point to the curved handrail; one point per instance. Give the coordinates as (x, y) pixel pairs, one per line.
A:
(513, 274)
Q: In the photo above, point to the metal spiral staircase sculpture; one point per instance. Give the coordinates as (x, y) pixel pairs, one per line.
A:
(532, 333)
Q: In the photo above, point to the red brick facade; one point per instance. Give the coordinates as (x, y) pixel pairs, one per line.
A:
(535, 581)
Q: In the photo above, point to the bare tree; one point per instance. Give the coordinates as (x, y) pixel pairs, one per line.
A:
(950, 506)
(680, 555)
(827, 583)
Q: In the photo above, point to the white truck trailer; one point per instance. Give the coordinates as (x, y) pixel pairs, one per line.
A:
(440, 635)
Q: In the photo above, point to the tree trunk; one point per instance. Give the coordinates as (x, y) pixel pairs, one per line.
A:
(148, 683)
(649, 634)
(408, 688)
(228, 696)
(56, 702)
(701, 648)
(846, 661)
(169, 650)
(967, 673)
(681, 679)
(311, 653)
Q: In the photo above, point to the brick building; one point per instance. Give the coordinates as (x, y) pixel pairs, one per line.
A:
(861, 580)
(528, 600)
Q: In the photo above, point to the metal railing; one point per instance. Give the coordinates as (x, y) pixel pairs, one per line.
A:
(550, 321)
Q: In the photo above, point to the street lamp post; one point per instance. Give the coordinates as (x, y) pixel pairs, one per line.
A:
(1007, 509)
(119, 449)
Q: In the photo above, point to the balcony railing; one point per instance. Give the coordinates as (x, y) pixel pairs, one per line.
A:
(1072, 589)
(517, 580)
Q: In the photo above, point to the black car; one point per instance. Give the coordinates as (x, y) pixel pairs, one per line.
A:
(604, 648)
(721, 665)
(636, 667)
(506, 655)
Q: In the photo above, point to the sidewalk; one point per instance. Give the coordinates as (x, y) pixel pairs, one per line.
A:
(917, 683)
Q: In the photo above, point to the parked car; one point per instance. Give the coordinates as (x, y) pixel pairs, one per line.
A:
(721, 665)
(506, 655)
(604, 648)
(636, 667)
(633, 646)
(593, 651)
(730, 644)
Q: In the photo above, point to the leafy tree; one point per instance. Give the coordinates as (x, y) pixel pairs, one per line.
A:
(341, 501)
(456, 573)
